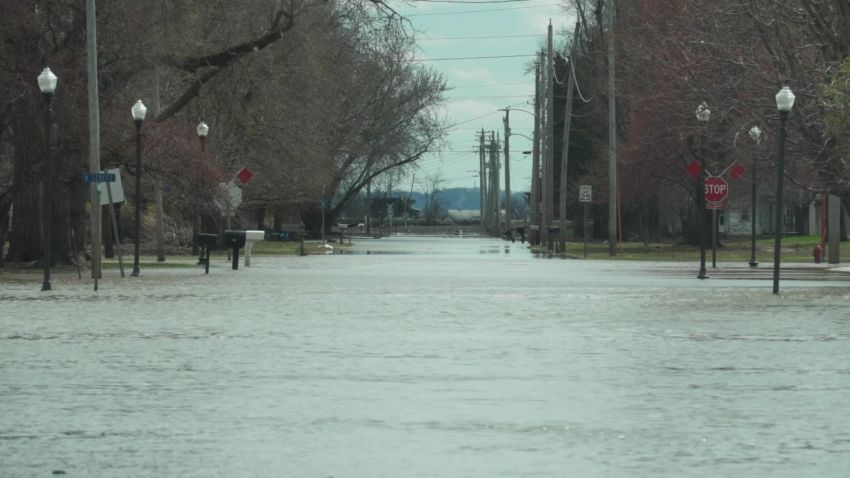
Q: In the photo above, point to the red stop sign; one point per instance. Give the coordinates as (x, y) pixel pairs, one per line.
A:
(716, 189)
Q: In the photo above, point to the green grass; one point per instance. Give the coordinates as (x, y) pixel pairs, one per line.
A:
(172, 261)
(794, 249)
(151, 263)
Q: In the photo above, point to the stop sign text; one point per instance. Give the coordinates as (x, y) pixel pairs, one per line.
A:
(716, 189)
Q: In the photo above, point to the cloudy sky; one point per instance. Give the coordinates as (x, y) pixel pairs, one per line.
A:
(483, 49)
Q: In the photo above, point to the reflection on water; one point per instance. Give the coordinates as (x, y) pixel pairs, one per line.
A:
(425, 357)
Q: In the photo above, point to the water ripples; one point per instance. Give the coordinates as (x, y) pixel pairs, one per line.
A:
(470, 361)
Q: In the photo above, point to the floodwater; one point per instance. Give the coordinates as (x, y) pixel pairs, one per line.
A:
(425, 357)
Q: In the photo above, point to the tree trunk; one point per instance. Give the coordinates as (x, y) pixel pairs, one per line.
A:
(278, 218)
(312, 219)
(25, 241)
(196, 229)
(5, 202)
(160, 222)
(260, 218)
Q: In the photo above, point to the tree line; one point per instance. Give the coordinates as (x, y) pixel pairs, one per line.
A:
(315, 97)
(732, 55)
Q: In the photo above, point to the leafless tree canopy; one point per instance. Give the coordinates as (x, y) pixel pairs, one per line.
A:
(734, 55)
(311, 95)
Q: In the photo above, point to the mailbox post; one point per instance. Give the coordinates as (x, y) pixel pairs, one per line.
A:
(234, 240)
(250, 238)
(207, 241)
(343, 230)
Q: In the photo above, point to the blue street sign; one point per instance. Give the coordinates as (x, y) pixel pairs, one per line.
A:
(98, 178)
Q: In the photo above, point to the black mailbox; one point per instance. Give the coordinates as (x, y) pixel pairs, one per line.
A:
(210, 241)
(234, 239)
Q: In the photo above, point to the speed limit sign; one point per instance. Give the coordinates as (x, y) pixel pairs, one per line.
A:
(585, 193)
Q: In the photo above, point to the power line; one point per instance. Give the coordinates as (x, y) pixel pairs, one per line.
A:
(469, 1)
(483, 116)
(472, 57)
(485, 37)
(481, 11)
(453, 87)
(485, 97)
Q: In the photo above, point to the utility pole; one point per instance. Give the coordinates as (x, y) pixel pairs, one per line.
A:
(368, 200)
(535, 157)
(94, 137)
(565, 145)
(834, 225)
(613, 195)
(482, 183)
(409, 204)
(160, 213)
(498, 185)
(549, 182)
(160, 207)
(494, 178)
(507, 169)
(389, 204)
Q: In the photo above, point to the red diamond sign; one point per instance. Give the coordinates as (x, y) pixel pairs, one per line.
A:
(694, 169)
(737, 171)
(245, 175)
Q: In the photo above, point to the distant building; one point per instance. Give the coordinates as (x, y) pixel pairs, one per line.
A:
(464, 215)
(379, 207)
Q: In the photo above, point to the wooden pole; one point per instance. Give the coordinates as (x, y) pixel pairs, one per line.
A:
(612, 136)
(94, 136)
(565, 145)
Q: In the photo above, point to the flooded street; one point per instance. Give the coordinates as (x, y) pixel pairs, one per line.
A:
(424, 357)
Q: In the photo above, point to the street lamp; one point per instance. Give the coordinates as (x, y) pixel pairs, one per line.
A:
(703, 115)
(47, 84)
(203, 130)
(139, 112)
(784, 103)
(755, 134)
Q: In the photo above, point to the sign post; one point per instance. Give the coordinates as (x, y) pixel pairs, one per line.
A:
(110, 176)
(115, 228)
(232, 198)
(714, 196)
(716, 190)
(585, 196)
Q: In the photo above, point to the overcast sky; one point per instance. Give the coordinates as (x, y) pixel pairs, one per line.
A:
(470, 29)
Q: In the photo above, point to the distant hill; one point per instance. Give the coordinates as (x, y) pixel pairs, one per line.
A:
(456, 198)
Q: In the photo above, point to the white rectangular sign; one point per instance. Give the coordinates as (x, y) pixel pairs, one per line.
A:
(231, 198)
(115, 188)
(585, 193)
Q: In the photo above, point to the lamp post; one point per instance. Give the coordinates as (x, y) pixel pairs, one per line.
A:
(139, 112)
(47, 84)
(323, 216)
(203, 130)
(784, 103)
(755, 134)
(703, 115)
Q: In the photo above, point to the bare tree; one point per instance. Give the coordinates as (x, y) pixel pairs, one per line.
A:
(433, 207)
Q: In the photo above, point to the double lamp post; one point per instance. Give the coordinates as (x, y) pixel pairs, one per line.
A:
(784, 103)
(703, 115)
